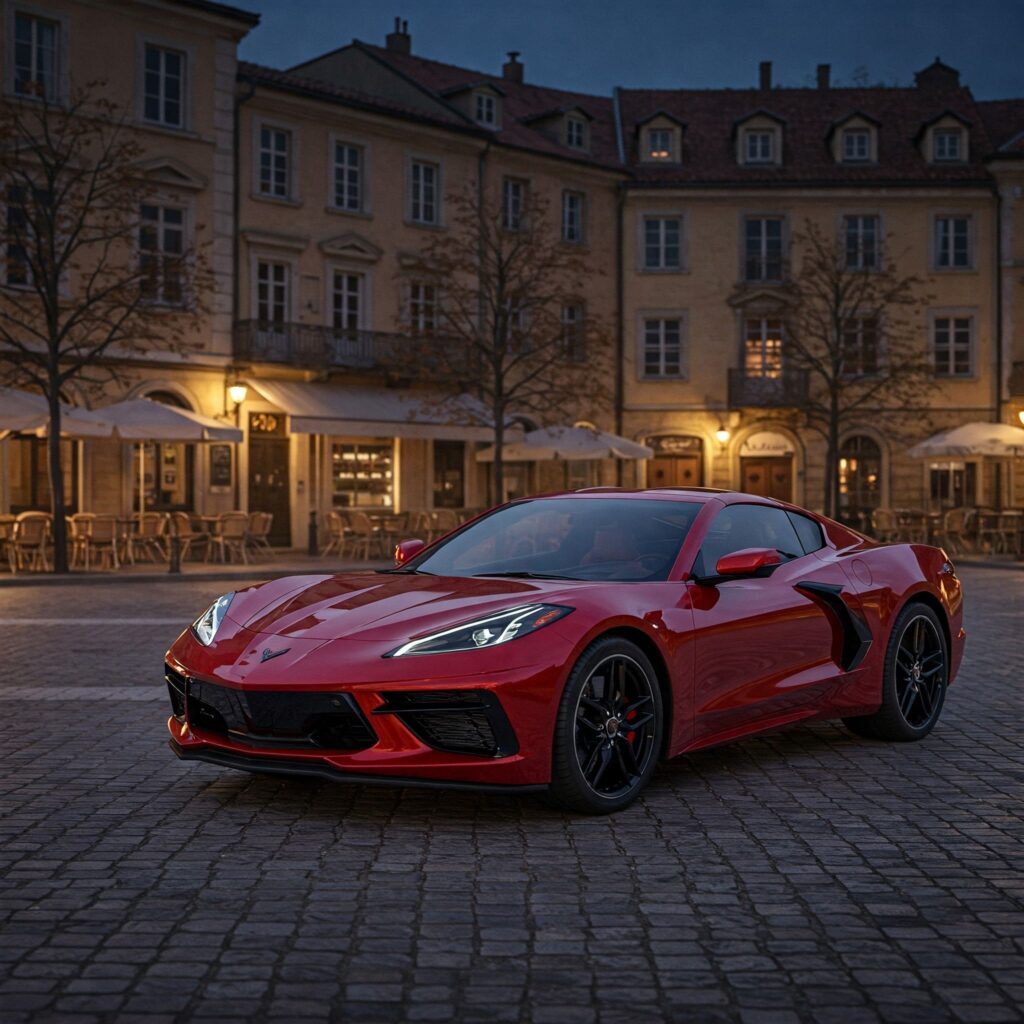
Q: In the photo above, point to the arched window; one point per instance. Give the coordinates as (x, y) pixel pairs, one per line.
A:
(860, 478)
(168, 467)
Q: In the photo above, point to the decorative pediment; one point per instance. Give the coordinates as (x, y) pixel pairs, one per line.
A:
(759, 116)
(948, 118)
(167, 171)
(659, 117)
(274, 239)
(854, 119)
(351, 246)
(760, 299)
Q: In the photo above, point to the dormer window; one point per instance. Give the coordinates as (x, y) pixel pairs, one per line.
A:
(856, 145)
(659, 144)
(486, 109)
(947, 144)
(759, 146)
(575, 133)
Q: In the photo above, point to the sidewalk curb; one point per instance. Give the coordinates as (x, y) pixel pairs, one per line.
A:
(979, 564)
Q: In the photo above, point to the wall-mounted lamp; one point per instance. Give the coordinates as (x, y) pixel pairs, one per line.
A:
(1020, 416)
(722, 434)
(237, 393)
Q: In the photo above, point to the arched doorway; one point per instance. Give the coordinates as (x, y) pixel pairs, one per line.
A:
(678, 461)
(766, 465)
(860, 479)
(168, 468)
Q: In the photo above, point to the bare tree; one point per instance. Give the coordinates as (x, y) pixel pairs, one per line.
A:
(93, 271)
(505, 319)
(854, 328)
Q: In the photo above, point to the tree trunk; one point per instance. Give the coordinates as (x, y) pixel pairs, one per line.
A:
(57, 500)
(832, 460)
(499, 458)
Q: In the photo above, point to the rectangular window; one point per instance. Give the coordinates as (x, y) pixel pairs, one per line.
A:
(513, 203)
(275, 162)
(953, 243)
(662, 237)
(17, 268)
(659, 144)
(346, 300)
(762, 347)
(856, 145)
(35, 57)
(860, 347)
(575, 133)
(574, 332)
(161, 254)
(273, 302)
(164, 87)
(947, 144)
(348, 177)
(861, 242)
(763, 249)
(572, 217)
(423, 204)
(663, 347)
(486, 110)
(449, 474)
(953, 345)
(363, 474)
(759, 147)
(422, 307)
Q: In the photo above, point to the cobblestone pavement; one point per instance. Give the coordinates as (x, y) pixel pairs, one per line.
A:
(805, 876)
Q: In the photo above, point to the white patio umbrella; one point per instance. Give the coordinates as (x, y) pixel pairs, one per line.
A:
(972, 440)
(23, 412)
(569, 443)
(142, 420)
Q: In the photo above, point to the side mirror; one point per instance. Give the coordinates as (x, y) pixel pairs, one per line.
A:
(748, 562)
(407, 550)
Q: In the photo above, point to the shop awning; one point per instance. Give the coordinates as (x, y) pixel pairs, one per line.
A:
(367, 411)
(575, 443)
(25, 412)
(142, 419)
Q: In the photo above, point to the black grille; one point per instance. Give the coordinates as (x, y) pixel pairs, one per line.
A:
(279, 718)
(459, 721)
(176, 686)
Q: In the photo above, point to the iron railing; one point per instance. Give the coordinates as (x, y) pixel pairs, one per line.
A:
(787, 390)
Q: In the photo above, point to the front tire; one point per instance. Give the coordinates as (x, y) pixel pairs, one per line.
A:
(914, 681)
(609, 730)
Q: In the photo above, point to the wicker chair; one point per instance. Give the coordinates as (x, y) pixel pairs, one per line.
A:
(955, 526)
(181, 526)
(230, 537)
(147, 536)
(338, 534)
(258, 533)
(30, 541)
(884, 524)
(6, 536)
(100, 536)
(365, 536)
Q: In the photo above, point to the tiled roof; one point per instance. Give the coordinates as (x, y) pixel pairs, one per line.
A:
(809, 115)
(250, 18)
(1004, 120)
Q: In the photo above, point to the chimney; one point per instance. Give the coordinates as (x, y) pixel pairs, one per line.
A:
(766, 75)
(399, 41)
(824, 74)
(512, 70)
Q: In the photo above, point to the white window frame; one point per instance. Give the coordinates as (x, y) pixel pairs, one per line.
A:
(291, 166)
(574, 317)
(362, 295)
(361, 149)
(514, 198)
(954, 313)
(61, 58)
(861, 215)
(662, 316)
(661, 154)
(952, 215)
(415, 307)
(763, 338)
(163, 204)
(783, 240)
(413, 162)
(847, 155)
(947, 133)
(662, 267)
(575, 132)
(263, 256)
(859, 332)
(568, 196)
(161, 121)
(485, 109)
(758, 159)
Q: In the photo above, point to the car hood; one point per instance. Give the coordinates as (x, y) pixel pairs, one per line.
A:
(383, 607)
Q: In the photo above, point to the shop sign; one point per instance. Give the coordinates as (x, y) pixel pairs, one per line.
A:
(675, 444)
(767, 444)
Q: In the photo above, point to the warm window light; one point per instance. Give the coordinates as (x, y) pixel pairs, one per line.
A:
(237, 393)
(1020, 416)
(722, 435)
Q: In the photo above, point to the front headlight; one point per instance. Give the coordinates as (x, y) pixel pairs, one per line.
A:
(206, 626)
(489, 632)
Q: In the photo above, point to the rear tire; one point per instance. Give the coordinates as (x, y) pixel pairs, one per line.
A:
(600, 764)
(914, 680)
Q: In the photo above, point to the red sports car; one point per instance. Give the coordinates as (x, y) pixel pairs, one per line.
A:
(567, 643)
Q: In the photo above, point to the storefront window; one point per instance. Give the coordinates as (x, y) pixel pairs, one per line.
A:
(953, 484)
(30, 478)
(363, 474)
(449, 474)
(167, 469)
(860, 478)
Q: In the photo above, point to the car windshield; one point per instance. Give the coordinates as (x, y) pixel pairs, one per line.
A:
(617, 539)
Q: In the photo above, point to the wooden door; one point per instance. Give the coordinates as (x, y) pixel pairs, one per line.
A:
(674, 471)
(268, 484)
(770, 477)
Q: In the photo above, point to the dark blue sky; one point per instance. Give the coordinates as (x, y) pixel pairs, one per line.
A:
(671, 43)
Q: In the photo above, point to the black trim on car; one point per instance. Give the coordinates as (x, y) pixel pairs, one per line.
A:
(856, 636)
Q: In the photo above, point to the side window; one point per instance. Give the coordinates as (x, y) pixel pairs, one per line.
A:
(747, 526)
(808, 531)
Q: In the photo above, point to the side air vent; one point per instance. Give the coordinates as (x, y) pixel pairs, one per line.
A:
(854, 633)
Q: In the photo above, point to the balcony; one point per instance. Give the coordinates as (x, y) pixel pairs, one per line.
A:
(788, 390)
(317, 347)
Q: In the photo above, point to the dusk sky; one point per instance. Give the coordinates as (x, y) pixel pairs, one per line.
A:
(594, 46)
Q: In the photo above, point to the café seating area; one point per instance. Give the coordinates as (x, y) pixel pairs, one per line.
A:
(961, 531)
(365, 535)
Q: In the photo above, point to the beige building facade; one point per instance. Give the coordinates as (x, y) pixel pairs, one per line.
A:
(315, 189)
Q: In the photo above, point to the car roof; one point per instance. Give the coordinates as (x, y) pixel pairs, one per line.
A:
(689, 494)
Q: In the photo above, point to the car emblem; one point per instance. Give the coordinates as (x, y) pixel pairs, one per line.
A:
(268, 653)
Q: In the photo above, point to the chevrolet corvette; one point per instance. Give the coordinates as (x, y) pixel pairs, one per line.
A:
(567, 644)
